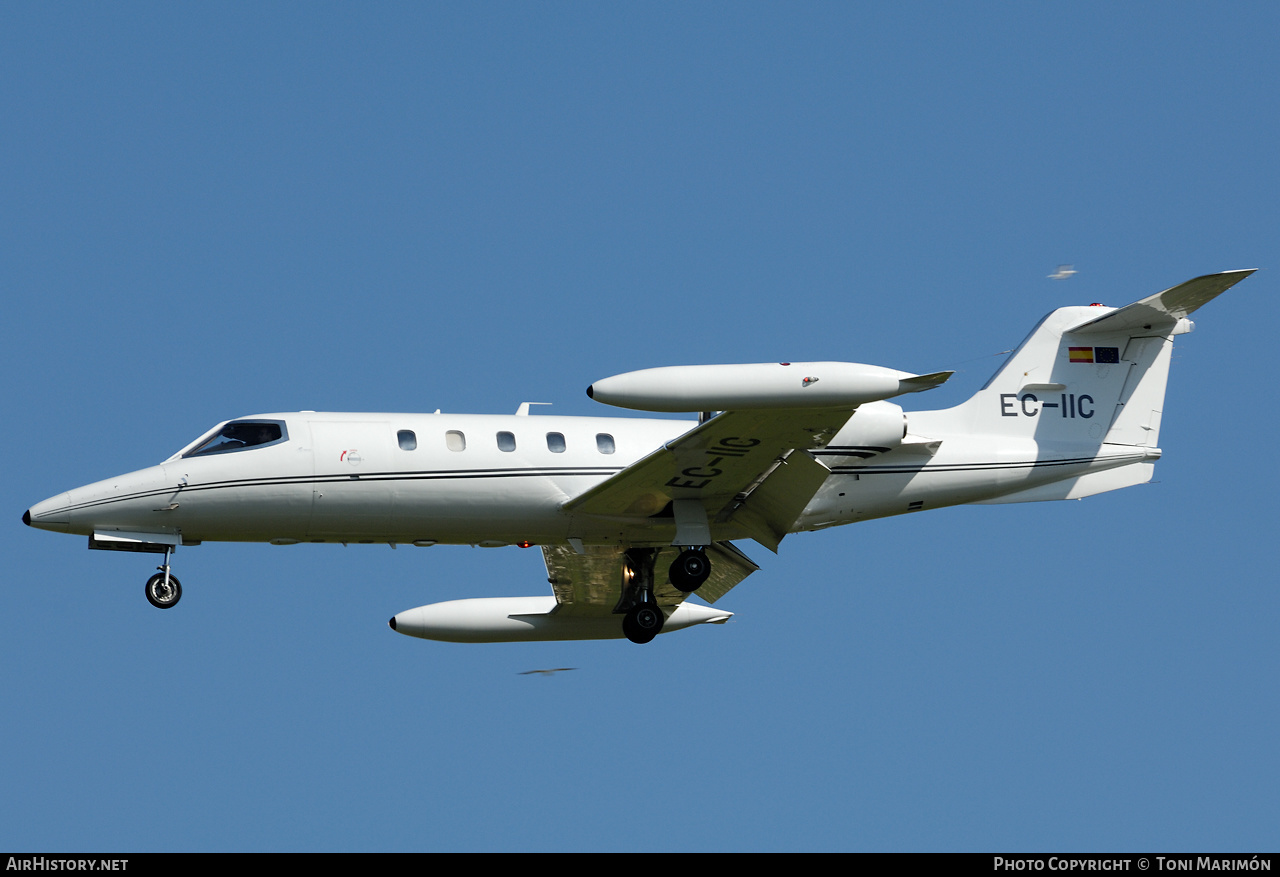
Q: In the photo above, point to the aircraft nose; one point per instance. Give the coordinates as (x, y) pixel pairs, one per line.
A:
(52, 514)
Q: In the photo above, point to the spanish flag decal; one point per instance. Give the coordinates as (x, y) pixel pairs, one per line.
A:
(1081, 354)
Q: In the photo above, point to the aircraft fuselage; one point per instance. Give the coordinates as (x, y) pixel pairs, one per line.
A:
(448, 479)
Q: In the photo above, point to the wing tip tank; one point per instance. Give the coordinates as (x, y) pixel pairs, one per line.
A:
(780, 385)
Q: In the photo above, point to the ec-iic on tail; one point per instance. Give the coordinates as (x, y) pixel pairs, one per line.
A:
(634, 515)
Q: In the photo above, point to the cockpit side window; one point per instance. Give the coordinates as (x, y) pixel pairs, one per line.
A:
(241, 434)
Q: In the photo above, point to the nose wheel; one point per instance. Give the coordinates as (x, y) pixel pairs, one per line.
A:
(163, 594)
(163, 589)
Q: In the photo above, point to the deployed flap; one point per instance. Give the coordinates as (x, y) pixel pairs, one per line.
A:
(718, 463)
(1164, 308)
(590, 580)
(591, 583)
(767, 509)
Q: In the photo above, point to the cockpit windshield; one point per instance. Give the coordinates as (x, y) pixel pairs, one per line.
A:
(241, 434)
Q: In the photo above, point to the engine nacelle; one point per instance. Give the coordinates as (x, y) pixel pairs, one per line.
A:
(528, 619)
(875, 428)
(758, 385)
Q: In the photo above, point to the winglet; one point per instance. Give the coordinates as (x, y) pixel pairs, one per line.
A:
(920, 383)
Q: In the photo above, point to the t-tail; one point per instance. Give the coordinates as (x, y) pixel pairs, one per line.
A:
(1087, 383)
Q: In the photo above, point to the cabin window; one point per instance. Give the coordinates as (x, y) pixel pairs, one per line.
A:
(604, 443)
(555, 442)
(455, 440)
(241, 434)
(506, 441)
(408, 441)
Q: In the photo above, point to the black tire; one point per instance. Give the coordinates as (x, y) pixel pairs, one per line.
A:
(643, 623)
(689, 570)
(156, 594)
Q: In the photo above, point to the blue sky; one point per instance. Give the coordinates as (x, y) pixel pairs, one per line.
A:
(213, 212)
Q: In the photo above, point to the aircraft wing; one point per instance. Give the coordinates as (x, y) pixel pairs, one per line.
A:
(746, 468)
(591, 583)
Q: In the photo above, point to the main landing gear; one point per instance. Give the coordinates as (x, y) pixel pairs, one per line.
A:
(643, 622)
(644, 617)
(163, 589)
(690, 569)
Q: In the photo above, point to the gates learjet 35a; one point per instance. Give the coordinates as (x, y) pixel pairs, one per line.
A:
(635, 515)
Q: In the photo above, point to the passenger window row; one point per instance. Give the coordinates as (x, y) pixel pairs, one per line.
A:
(454, 440)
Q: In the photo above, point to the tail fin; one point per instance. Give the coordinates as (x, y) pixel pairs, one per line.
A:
(1087, 375)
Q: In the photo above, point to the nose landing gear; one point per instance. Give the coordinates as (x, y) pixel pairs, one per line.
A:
(163, 589)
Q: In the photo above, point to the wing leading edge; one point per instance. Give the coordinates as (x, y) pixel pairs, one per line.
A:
(738, 475)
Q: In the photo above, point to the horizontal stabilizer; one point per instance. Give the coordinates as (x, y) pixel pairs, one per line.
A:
(1164, 308)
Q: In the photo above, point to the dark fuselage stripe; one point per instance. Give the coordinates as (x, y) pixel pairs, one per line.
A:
(977, 467)
(301, 480)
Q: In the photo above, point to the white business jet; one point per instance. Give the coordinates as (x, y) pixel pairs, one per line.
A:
(635, 515)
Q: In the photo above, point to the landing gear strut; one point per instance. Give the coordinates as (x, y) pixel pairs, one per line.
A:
(163, 589)
(690, 569)
(644, 617)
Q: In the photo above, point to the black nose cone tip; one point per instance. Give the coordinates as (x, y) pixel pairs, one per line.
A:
(591, 391)
(392, 622)
(26, 517)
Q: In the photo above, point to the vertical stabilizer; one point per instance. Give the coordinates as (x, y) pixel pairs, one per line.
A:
(1089, 375)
